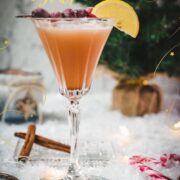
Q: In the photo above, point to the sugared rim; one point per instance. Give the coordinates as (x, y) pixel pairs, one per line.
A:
(64, 19)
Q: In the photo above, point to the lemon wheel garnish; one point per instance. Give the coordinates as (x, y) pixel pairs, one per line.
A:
(126, 19)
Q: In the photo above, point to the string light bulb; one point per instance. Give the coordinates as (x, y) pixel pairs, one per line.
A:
(124, 131)
(177, 126)
(172, 53)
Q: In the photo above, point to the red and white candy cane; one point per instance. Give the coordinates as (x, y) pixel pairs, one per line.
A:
(165, 159)
(139, 159)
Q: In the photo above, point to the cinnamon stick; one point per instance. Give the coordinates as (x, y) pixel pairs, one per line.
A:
(29, 140)
(45, 142)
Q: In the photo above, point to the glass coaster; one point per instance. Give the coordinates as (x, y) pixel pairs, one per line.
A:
(92, 154)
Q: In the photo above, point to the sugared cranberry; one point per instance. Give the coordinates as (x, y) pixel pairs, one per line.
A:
(69, 13)
(56, 14)
(81, 13)
(89, 10)
(41, 13)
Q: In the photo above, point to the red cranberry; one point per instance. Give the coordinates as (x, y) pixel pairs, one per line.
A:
(89, 10)
(56, 14)
(81, 13)
(41, 13)
(69, 13)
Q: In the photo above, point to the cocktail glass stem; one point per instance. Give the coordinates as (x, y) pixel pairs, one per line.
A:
(74, 121)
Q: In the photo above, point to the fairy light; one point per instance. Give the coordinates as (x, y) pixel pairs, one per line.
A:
(124, 137)
(52, 174)
(4, 43)
(165, 55)
(177, 126)
(125, 159)
(172, 53)
(124, 131)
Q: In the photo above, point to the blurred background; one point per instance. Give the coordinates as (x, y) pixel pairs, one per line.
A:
(123, 58)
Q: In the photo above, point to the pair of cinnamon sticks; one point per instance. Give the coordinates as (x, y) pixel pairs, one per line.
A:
(31, 138)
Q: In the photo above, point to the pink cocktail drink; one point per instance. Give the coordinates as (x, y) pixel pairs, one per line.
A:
(74, 50)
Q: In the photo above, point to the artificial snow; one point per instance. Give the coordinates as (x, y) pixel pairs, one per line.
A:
(151, 135)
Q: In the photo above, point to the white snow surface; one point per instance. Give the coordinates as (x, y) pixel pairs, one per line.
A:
(151, 135)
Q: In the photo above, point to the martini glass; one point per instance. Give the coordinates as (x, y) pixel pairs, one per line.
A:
(74, 46)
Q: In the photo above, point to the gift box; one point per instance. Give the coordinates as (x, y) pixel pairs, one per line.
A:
(21, 93)
(137, 98)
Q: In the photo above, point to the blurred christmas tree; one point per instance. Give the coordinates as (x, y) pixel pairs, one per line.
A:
(159, 20)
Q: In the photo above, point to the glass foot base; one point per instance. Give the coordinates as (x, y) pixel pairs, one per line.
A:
(84, 178)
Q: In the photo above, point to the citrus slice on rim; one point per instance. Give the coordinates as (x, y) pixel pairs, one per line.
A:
(126, 19)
